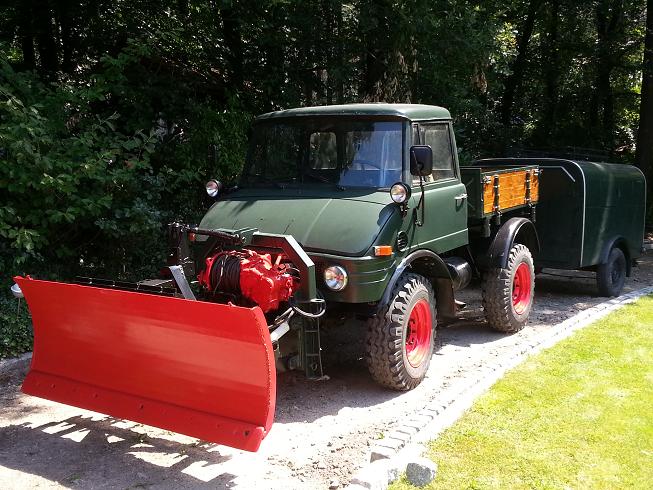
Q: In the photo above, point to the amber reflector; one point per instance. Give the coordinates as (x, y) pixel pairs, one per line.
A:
(383, 250)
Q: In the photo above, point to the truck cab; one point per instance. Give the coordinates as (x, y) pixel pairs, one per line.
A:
(324, 175)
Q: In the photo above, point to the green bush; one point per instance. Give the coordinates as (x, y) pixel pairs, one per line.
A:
(92, 170)
(15, 327)
(68, 174)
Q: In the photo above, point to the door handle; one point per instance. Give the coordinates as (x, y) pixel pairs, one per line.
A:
(460, 198)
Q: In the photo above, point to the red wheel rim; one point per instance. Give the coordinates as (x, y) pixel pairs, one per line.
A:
(521, 288)
(418, 337)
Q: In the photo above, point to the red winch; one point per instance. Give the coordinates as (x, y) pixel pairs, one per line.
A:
(250, 274)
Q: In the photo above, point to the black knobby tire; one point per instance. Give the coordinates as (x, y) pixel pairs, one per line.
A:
(392, 362)
(611, 276)
(503, 311)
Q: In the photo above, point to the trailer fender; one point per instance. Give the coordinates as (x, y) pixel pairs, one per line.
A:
(618, 242)
(430, 265)
(515, 230)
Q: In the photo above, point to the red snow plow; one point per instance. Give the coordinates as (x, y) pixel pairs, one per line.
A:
(153, 353)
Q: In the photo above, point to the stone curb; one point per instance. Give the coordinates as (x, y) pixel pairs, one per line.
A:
(408, 439)
(7, 364)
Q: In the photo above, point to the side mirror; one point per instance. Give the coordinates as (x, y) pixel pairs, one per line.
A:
(421, 160)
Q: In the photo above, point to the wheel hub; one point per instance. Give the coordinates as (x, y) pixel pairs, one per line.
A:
(418, 337)
(521, 288)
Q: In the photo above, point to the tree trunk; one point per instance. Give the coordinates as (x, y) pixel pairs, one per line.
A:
(26, 35)
(519, 64)
(377, 31)
(608, 21)
(339, 60)
(47, 46)
(66, 14)
(234, 43)
(645, 133)
(551, 75)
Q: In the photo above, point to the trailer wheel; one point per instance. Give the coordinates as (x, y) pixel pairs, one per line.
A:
(611, 276)
(400, 337)
(508, 293)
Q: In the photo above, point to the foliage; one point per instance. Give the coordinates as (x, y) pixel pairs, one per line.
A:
(113, 114)
(15, 328)
(574, 416)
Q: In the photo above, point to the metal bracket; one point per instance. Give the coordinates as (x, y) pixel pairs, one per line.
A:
(497, 192)
(279, 332)
(180, 278)
(310, 354)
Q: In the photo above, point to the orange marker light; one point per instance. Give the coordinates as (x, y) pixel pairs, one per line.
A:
(383, 250)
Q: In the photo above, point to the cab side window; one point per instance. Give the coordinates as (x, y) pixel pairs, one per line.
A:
(438, 138)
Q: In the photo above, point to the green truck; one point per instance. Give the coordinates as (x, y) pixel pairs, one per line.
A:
(358, 211)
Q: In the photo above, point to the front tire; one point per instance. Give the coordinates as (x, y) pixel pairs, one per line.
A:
(611, 276)
(508, 293)
(400, 338)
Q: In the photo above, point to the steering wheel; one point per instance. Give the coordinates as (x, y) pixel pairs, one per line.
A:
(364, 163)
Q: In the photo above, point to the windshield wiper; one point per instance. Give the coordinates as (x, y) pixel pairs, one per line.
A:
(321, 178)
(267, 180)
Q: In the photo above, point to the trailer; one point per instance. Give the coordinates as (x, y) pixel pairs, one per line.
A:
(356, 211)
(590, 215)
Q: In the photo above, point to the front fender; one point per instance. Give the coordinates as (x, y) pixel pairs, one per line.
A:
(431, 266)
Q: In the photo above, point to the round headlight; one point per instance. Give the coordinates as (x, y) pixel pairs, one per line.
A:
(400, 192)
(213, 188)
(335, 277)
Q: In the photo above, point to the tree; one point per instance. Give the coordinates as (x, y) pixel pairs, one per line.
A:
(645, 133)
(518, 66)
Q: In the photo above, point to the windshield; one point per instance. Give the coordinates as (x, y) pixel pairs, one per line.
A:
(325, 151)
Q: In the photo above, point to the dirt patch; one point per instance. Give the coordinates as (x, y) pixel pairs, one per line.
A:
(323, 430)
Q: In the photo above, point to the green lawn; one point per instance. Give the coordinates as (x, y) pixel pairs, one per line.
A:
(579, 415)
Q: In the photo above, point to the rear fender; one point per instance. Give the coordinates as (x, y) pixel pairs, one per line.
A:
(431, 266)
(620, 243)
(515, 230)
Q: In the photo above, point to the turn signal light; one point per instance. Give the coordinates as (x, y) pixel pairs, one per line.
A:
(383, 250)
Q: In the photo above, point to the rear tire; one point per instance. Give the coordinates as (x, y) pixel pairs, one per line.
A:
(611, 276)
(400, 337)
(508, 293)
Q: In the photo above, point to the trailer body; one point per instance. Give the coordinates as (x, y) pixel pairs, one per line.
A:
(584, 210)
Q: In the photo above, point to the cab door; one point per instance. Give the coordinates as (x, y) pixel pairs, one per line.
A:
(444, 223)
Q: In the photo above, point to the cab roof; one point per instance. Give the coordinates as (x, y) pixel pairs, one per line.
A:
(413, 112)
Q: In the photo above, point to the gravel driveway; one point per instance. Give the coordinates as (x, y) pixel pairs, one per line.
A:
(322, 432)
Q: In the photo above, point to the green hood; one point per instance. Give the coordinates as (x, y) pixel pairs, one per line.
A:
(341, 222)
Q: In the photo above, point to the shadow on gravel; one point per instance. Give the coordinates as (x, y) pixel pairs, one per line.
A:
(74, 451)
(466, 334)
(569, 283)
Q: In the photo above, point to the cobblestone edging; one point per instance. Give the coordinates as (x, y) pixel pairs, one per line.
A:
(390, 455)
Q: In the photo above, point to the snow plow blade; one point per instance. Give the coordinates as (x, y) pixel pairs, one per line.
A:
(197, 368)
